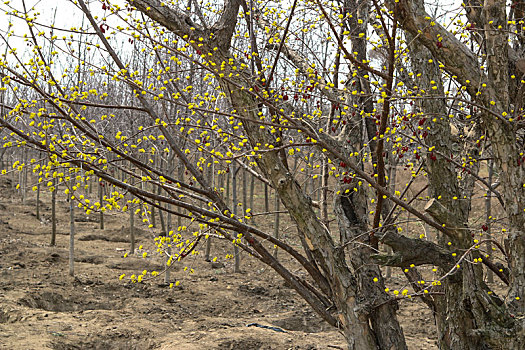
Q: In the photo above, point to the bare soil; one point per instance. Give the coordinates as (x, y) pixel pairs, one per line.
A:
(42, 307)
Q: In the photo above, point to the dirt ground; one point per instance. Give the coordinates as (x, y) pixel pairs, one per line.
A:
(42, 307)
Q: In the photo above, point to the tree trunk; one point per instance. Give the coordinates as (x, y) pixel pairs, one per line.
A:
(488, 217)
(153, 222)
(71, 232)
(236, 252)
(23, 182)
(38, 201)
(132, 230)
(211, 179)
(53, 213)
(276, 223)
(266, 199)
(252, 195)
(101, 201)
(167, 243)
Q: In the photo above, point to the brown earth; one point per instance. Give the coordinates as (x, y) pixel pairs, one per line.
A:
(42, 307)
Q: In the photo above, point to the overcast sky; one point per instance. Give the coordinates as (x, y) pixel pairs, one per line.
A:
(67, 16)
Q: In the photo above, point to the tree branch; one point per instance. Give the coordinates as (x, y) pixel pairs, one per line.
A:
(176, 21)
(408, 251)
(225, 26)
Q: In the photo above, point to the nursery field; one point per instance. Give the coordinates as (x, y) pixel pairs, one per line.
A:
(42, 307)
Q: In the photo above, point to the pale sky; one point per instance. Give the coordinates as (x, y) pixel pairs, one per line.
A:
(67, 16)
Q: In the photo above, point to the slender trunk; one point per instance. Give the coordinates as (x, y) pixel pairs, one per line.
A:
(324, 193)
(101, 201)
(170, 167)
(132, 229)
(488, 217)
(244, 192)
(23, 186)
(227, 178)
(295, 163)
(38, 201)
(180, 177)
(153, 222)
(71, 234)
(161, 216)
(276, 222)
(307, 173)
(211, 179)
(236, 252)
(164, 233)
(13, 176)
(266, 199)
(221, 181)
(21, 178)
(392, 186)
(167, 242)
(252, 194)
(53, 213)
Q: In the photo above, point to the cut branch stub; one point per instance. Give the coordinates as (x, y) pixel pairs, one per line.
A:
(408, 251)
